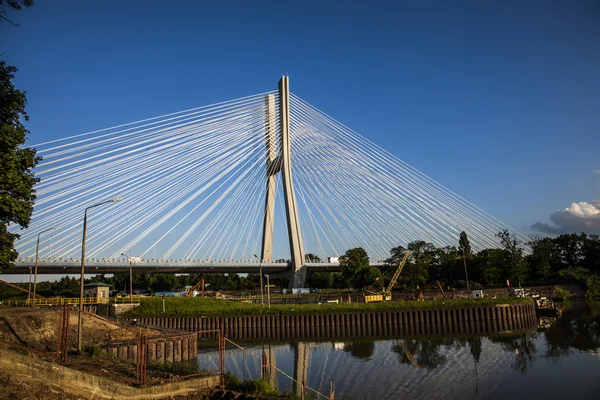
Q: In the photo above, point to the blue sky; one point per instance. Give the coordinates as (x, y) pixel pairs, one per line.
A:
(498, 101)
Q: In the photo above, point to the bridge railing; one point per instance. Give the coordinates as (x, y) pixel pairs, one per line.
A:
(182, 261)
(57, 301)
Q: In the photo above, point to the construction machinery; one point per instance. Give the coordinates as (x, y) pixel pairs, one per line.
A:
(435, 284)
(386, 293)
(407, 353)
(190, 293)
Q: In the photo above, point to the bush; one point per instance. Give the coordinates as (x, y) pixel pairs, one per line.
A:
(93, 351)
(176, 368)
(593, 289)
(562, 294)
(250, 386)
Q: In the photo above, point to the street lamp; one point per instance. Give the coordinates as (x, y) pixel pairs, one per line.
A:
(80, 318)
(262, 301)
(29, 288)
(130, 259)
(268, 292)
(37, 251)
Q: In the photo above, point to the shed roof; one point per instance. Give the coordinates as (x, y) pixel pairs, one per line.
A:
(97, 284)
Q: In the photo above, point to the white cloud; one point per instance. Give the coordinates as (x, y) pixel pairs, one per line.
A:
(578, 217)
(598, 171)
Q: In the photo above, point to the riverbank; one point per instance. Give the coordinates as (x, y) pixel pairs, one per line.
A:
(455, 317)
(196, 306)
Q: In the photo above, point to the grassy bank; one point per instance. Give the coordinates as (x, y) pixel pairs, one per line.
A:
(182, 306)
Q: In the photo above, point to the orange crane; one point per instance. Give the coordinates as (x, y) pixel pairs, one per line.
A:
(189, 293)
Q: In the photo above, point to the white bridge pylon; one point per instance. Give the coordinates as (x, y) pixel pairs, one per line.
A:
(202, 184)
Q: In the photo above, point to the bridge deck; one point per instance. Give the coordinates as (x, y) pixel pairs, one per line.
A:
(74, 267)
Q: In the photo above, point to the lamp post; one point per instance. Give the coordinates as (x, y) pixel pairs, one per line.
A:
(37, 251)
(80, 317)
(268, 292)
(262, 300)
(29, 288)
(130, 259)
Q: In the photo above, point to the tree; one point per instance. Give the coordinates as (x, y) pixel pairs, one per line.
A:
(465, 246)
(322, 280)
(489, 263)
(446, 265)
(15, 5)
(541, 253)
(16, 163)
(422, 254)
(569, 250)
(356, 270)
(311, 258)
(591, 253)
(516, 268)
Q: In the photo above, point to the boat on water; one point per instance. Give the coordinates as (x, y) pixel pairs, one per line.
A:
(545, 305)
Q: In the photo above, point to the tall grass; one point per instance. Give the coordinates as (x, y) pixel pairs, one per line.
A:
(196, 306)
(259, 386)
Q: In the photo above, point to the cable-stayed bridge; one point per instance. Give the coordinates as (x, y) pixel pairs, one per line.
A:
(261, 180)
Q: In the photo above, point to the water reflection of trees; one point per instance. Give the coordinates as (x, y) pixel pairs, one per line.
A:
(429, 353)
(575, 330)
(425, 353)
(363, 350)
(524, 346)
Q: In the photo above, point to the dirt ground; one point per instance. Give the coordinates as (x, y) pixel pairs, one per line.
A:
(39, 328)
(19, 388)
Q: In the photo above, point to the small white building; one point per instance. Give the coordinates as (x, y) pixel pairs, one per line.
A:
(98, 290)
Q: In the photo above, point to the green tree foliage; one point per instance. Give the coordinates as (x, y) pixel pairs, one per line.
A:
(311, 258)
(416, 269)
(465, 248)
(489, 265)
(569, 250)
(5, 5)
(355, 268)
(515, 268)
(16, 163)
(542, 250)
(321, 280)
(448, 265)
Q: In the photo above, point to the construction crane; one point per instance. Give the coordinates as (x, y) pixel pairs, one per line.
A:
(407, 353)
(386, 293)
(191, 291)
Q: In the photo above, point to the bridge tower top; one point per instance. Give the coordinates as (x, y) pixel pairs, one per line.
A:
(274, 165)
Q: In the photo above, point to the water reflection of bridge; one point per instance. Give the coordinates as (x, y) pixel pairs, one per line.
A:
(443, 366)
(449, 364)
(426, 342)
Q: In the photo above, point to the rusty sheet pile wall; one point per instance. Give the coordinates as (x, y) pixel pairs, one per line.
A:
(490, 319)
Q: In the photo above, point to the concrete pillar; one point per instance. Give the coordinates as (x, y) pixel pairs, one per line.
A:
(293, 221)
(273, 167)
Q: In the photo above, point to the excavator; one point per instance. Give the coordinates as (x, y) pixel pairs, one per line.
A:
(437, 284)
(386, 293)
(191, 291)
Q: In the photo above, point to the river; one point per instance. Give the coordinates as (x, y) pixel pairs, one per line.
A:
(558, 360)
